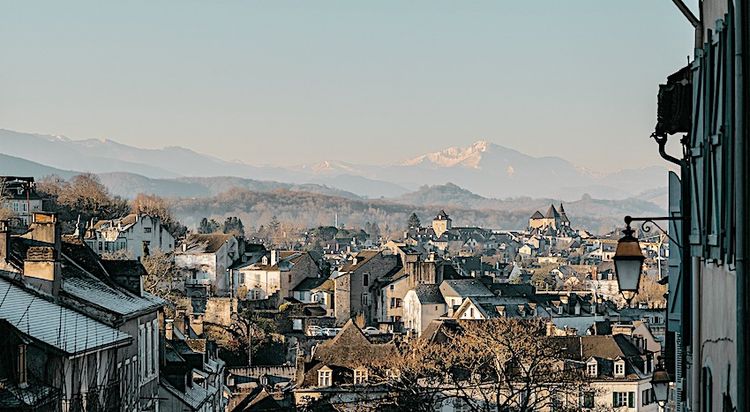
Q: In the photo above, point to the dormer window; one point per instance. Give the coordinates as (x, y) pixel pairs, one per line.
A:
(360, 376)
(324, 376)
(620, 368)
(264, 260)
(592, 368)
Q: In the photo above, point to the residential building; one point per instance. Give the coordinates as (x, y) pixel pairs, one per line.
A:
(356, 284)
(64, 270)
(19, 195)
(422, 305)
(338, 367)
(205, 259)
(135, 235)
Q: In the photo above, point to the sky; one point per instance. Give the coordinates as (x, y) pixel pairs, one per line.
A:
(292, 82)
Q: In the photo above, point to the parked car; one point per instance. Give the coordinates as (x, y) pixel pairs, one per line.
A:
(313, 330)
(331, 331)
(371, 330)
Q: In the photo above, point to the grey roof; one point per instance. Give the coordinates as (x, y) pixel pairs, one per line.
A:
(85, 287)
(194, 396)
(537, 215)
(309, 284)
(467, 287)
(429, 294)
(552, 213)
(55, 325)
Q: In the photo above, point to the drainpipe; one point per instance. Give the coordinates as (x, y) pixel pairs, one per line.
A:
(740, 173)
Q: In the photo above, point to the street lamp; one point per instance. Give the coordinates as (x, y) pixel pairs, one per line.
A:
(628, 263)
(660, 383)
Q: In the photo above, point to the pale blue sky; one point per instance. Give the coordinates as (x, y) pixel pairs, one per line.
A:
(280, 82)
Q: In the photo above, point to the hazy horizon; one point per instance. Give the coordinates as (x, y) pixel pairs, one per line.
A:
(288, 84)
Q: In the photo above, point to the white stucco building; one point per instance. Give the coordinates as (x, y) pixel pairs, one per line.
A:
(135, 235)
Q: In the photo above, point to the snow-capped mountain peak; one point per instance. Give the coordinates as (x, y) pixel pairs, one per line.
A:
(469, 157)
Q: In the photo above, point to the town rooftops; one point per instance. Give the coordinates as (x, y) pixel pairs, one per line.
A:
(204, 243)
(464, 288)
(552, 213)
(442, 215)
(358, 260)
(429, 294)
(59, 327)
(122, 223)
(308, 284)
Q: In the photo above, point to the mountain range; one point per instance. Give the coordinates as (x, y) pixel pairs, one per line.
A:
(484, 168)
(313, 194)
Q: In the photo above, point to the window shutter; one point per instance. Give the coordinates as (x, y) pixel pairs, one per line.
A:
(614, 399)
(631, 399)
(675, 297)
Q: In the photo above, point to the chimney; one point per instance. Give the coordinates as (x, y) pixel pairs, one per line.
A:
(41, 269)
(168, 328)
(274, 257)
(4, 241)
(45, 228)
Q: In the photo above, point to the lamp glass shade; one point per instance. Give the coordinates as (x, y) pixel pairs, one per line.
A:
(628, 274)
(628, 262)
(660, 383)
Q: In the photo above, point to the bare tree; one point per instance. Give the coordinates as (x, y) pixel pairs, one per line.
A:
(6, 213)
(492, 365)
(162, 274)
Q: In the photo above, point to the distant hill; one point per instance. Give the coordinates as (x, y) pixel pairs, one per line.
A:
(450, 195)
(15, 166)
(311, 210)
(129, 184)
(484, 168)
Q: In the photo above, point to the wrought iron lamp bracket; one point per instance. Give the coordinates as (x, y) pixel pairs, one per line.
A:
(646, 223)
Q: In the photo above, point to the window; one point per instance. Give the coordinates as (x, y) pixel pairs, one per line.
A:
(619, 368)
(620, 399)
(391, 288)
(587, 400)
(142, 349)
(146, 230)
(591, 369)
(365, 299)
(296, 324)
(242, 278)
(398, 302)
(366, 279)
(647, 397)
(393, 302)
(324, 377)
(360, 376)
(471, 312)
(22, 363)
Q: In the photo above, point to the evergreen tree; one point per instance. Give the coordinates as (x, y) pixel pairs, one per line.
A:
(414, 222)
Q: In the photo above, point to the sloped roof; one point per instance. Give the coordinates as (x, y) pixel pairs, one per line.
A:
(361, 258)
(537, 215)
(109, 297)
(466, 287)
(350, 348)
(562, 214)
(442, 215)
(55, 325)
(205, 243)
(309, 284)
(194, 396)
(429, 294)
(552, 213)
